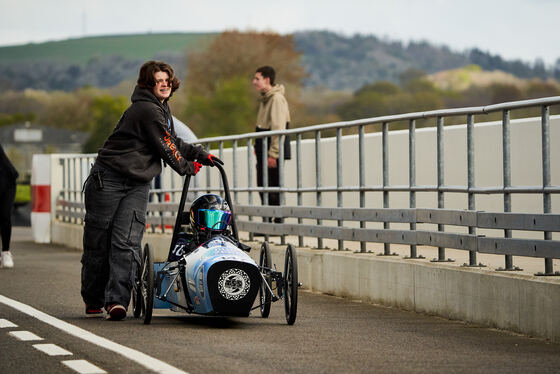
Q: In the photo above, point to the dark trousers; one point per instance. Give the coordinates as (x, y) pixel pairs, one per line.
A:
(273, 181)
(114, 226)
(7, 197)
(273, 175)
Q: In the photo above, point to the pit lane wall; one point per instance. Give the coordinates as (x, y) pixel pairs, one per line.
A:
(515, 302)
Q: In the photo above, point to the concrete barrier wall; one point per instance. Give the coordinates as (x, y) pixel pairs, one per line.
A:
(515, 302)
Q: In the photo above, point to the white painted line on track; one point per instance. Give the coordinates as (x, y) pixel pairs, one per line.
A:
(83, 367)
(25, 335)
(132, 354)
(5, 323)
(52, 349)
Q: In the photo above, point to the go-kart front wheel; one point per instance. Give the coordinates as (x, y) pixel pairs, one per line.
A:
(265, 263)
(290, 284)
(147, 282)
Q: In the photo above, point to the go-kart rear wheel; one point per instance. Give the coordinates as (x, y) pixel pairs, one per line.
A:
(290, 284)
(137, 301)
(265, 296)
(147, 282)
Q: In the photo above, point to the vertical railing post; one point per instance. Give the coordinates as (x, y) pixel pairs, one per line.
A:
(547, 204)
(264, 169)
(299, 182)
(470, 181)
(194, 181)
(63, 190)
(208, 184)
(412, 178)
(172, 194)
(440, 183)
(74, 186)
(280, 166)
(339, 179)
(440, 179)
(250, 178)
(506, 169)
(221, 157)
(361, 165)
(318, 179)
(234, 168)
(68, 186)
(385, 157)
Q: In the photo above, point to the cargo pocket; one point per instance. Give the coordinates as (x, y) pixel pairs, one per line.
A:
(96, 238)
(136, 230)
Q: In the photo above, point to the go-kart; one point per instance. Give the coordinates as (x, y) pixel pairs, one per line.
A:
(217, 278)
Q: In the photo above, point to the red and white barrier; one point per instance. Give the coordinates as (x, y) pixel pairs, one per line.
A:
(41, 198)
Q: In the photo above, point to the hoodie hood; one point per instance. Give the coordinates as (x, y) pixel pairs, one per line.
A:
(277, 88)
(144, 94)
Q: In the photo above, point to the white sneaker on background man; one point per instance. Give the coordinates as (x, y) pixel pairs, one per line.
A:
(7, 259)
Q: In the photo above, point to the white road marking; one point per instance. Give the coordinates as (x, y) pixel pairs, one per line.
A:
(25, 335)
(52, 349)
(5, 323)
(132, 354)
(83, 367)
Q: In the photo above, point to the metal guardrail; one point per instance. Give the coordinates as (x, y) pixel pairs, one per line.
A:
(71, 190)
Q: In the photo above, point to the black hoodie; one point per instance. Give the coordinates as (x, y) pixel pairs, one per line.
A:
(8, 173)
(143, 137)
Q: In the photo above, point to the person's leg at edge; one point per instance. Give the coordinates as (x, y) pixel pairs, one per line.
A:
(101, 205)
(7, 198)
(124, 254)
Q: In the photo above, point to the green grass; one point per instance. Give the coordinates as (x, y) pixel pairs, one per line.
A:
(23, 193)
(79, 51)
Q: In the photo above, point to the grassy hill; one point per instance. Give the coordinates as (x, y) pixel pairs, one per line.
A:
(333, 60)
(80, 51)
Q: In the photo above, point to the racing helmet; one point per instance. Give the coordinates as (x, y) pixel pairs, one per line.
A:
(210, 213)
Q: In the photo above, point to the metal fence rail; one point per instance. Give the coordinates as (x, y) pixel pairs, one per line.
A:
(472, 242)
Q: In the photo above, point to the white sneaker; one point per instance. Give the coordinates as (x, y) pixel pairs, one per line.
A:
(7, 259)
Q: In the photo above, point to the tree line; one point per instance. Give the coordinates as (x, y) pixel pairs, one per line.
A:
(217, 98)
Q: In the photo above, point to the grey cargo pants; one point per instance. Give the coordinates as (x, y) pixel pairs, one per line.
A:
(114, 225)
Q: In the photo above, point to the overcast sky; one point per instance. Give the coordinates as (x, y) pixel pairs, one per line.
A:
(515, 29)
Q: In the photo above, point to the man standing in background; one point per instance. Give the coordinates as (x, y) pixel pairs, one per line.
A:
(273, 115)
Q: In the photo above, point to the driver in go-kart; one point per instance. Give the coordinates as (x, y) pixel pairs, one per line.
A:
(209, 215)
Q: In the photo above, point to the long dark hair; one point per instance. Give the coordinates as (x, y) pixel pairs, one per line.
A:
(147, 71)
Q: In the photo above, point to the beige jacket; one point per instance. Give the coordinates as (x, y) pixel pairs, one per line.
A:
(273, 114)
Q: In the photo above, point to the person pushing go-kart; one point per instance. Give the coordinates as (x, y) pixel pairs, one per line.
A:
(117, 189)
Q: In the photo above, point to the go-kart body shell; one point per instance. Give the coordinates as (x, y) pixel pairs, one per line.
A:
(219, 277)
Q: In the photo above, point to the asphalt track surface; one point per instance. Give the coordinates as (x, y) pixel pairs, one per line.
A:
(331, 335)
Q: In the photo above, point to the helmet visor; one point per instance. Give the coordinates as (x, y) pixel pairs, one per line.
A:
(214, 219)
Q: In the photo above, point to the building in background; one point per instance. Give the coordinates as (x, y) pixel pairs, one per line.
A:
(22, 141)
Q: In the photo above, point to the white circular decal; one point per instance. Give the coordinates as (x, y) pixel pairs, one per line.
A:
(234, 284)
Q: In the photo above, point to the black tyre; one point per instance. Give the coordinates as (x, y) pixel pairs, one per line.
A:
(137, 301)
(265, 297)
(290, 284)
(147, 282)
